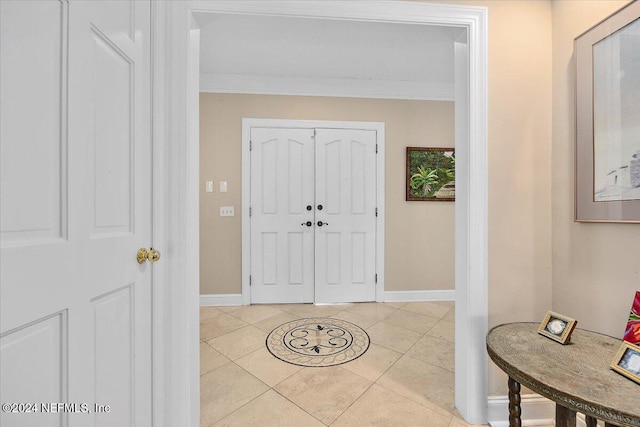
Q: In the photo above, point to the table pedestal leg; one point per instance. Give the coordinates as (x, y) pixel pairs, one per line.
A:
(565, 417)
(590, 421)
(514, 403)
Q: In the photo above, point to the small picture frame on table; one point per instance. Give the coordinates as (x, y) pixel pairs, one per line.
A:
(627, 361)
(557, 327)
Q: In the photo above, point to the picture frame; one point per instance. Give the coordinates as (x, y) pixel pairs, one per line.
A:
(627, 361)
(557, 327)
(607, 151)
(430, 174)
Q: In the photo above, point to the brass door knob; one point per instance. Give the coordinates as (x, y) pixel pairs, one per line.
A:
(151, 255)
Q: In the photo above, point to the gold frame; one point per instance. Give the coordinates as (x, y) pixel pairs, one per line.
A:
(563, 337)
(615, 365)
(587, 209)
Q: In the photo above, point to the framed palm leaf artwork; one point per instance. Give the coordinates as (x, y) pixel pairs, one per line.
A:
(431, 174)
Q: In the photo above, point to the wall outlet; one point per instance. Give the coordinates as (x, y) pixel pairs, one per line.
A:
(226, 211)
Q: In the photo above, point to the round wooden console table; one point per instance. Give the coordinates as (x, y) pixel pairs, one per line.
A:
(575, 376)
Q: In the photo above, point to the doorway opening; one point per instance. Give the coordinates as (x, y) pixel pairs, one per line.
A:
(471, 148)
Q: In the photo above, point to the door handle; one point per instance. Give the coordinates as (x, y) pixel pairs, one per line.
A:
(309, 207)
(150, 255)
(308, 223)
(320, 223)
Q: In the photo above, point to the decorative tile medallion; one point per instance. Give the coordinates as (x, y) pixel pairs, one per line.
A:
(318, 342)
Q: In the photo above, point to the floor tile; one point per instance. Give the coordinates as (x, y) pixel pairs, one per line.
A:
(312, 310)
(270, 323)
(412, 321)
(421, 382)
(393, 337)
(226, 389)
(267, 368)
(210, 359)
(324, 393)
(207, 313)
(450, 316)
(230, 308)
(434, 350)
(357, 319)
(269, 409)
(444, 329)
(373, 363)
(255, 313)
(380, 407)
(449, 304)
(432, 309)
(374, 310)
(239, 343)
(395, 305)
(219, 325)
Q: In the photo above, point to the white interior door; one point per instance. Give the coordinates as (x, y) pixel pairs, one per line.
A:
(346, 190)
(75, 207)
(313, 215)
(282, 221)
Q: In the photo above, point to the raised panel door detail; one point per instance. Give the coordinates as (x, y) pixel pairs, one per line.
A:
(333, 258)
(269, 178)
(332, 177)
(112, 138)
(295, 160)
(33, 142)
(270, 258)
(296, 260)
(358, 257)
(114, 356)
(122, 18)
(34, 370)
(358, 177)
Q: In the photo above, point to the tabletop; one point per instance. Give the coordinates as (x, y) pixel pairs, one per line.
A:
(576, 375)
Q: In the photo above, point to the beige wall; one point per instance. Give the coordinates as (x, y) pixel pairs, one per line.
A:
(520, 65)
(419, 235)
(596, 267)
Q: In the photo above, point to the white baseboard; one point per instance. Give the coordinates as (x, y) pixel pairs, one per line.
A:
(409, 296)
(536, 411)
(220, 299)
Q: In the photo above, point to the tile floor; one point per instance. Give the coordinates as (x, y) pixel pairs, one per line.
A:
(405, 378)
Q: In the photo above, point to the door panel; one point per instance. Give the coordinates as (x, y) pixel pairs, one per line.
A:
(282, 175)
(75, 307)
(346, 188)
(33, 49)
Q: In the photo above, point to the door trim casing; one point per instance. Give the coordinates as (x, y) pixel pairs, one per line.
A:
(177, 118)
(247, 124)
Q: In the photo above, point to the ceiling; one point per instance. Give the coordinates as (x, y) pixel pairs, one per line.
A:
(303, 56)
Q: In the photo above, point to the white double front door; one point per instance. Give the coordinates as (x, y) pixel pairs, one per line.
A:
(313, 215)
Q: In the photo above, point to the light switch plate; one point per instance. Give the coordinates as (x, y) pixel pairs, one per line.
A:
(208, 187)
(223, 186)
(226, 211)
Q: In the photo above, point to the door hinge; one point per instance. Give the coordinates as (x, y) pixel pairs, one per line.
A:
(376, 148)
(314, 133)
(376, 277)
(249, 280)
(376, 212)
(250, 211)
(250, 145)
